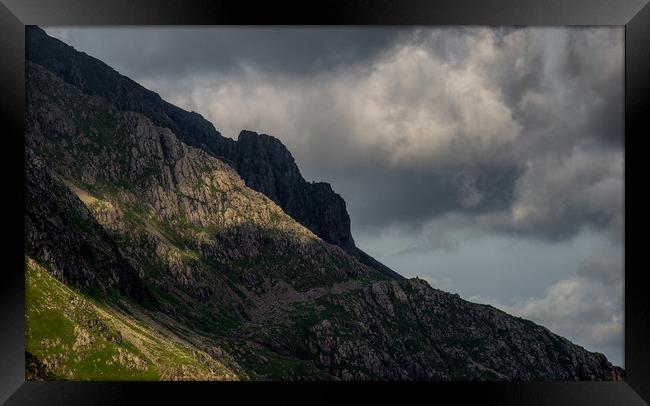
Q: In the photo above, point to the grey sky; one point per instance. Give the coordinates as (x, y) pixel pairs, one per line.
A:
(487, 160)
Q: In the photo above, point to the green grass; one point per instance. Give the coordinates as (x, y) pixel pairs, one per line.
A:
(77, 338)
(71, 339)
(268, 365)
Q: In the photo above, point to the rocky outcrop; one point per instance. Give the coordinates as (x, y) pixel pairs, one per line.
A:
(261, 160)
(268, 166)
(61, 232)
(408, 331)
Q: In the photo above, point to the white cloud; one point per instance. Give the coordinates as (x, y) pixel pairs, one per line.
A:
(422, 111)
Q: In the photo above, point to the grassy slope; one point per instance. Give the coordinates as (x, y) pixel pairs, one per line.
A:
(76, 338)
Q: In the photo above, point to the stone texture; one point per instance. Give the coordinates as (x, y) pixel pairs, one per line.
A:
(408, 331)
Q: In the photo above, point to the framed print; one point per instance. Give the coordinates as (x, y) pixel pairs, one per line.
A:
(360, 201)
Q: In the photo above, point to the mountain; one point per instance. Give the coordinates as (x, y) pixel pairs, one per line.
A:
(152, 257)
(264, 163)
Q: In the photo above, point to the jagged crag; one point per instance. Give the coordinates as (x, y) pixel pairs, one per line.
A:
(155, 248)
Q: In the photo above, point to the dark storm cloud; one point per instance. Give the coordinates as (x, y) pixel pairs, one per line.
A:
(407, 196)
(170, 53)
(585, 65)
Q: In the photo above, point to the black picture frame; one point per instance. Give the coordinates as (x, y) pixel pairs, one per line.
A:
(15, 14)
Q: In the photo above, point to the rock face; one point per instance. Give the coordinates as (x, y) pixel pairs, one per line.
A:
(61, 232)
(266, 165)
(195, 274)
(405, 330)
(261, 160)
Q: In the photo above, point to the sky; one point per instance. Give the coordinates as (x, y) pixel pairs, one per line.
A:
(488, 161)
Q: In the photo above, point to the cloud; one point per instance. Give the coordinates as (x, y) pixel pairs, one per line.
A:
(607, 270)
(561, 192)
(421, 111)
(167, 53)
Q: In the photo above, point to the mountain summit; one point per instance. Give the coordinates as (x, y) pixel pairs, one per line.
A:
(158, 249)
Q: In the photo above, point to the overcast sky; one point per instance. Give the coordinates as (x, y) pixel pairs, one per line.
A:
(488, 161)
